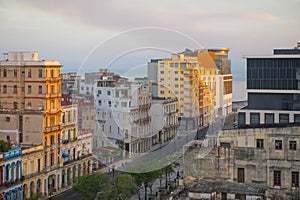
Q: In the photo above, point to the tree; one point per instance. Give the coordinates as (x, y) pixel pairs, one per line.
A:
(122, 187)
(90, 184)
(4, 146)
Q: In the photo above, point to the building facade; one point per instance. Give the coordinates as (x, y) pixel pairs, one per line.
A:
(32, 117)
(122, 114)
(201, 80)
(273, 84)
(168, 119)
(70, 83)
(253, 163)
(11, 175)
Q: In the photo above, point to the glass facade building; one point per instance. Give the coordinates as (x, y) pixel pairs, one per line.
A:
(273, 87)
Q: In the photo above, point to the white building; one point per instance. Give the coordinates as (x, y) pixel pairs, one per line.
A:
(122, 114)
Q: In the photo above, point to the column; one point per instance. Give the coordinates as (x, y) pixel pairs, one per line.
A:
(66, 177)
(45, 187)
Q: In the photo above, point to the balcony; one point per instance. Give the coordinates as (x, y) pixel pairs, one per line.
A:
(53, 79)
(53, 128)
(53, 95)
(12, 154)
(76, 159)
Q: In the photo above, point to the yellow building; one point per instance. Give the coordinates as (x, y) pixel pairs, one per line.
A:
(197, 79)
(32, 117)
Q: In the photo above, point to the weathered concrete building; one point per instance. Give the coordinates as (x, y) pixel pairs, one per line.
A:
(247, 163)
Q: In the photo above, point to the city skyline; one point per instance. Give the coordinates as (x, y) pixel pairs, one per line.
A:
(69, 32)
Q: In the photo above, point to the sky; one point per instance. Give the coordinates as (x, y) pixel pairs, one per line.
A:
(125, 35)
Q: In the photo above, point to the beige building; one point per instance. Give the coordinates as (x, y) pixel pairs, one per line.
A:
(201, 80)
(29, 98)
(168, 120)
(250, 164)
(33, 118)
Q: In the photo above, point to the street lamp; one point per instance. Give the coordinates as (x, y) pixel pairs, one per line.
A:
(166, 179)
(113, 171)
(146, 185)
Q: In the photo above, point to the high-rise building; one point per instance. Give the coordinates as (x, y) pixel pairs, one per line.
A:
(30, 92)
(201, 80)
(122, 113)
(70, 83)
(273, 84)
(32, 117)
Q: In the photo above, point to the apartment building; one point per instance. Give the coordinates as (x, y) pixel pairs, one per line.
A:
(273, 84)
(70, 83)
(32, 117)
(201, 80)
(122, 114)
(11, 174)
(166, 119)
(248, 163)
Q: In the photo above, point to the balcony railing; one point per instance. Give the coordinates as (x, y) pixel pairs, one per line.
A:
(76, 159)
(53, 128)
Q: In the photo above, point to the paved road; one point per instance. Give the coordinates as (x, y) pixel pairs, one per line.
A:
(175, 147)
(68, 195)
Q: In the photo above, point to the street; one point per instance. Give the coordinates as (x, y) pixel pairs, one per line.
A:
(68, 195)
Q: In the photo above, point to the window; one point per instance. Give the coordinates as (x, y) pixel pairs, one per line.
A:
(39, 165)
(241, 175)
(7, 119)
(4, 89)
(283, 118)
(109, 103)
(99, 91)
(15, 105)
(269, 118)
(296, 117)
(295, 179)
(15, 72)
(29, 73)
(99, 102)
(277, 178)
(278, 144)
(293, 145)
(176, 72)
(45, 160)
(4, 73)
(40, 73)
(52, 89)
(52, 140)
(29, 105)
(7, 137)
(241, 118)
(40, 89)
(260, 143)
(162, 72)
(108, 93)
(162, 92)
(58, 138)
(52, 158)
(254, 118)
(29, 89)
(15, 89)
